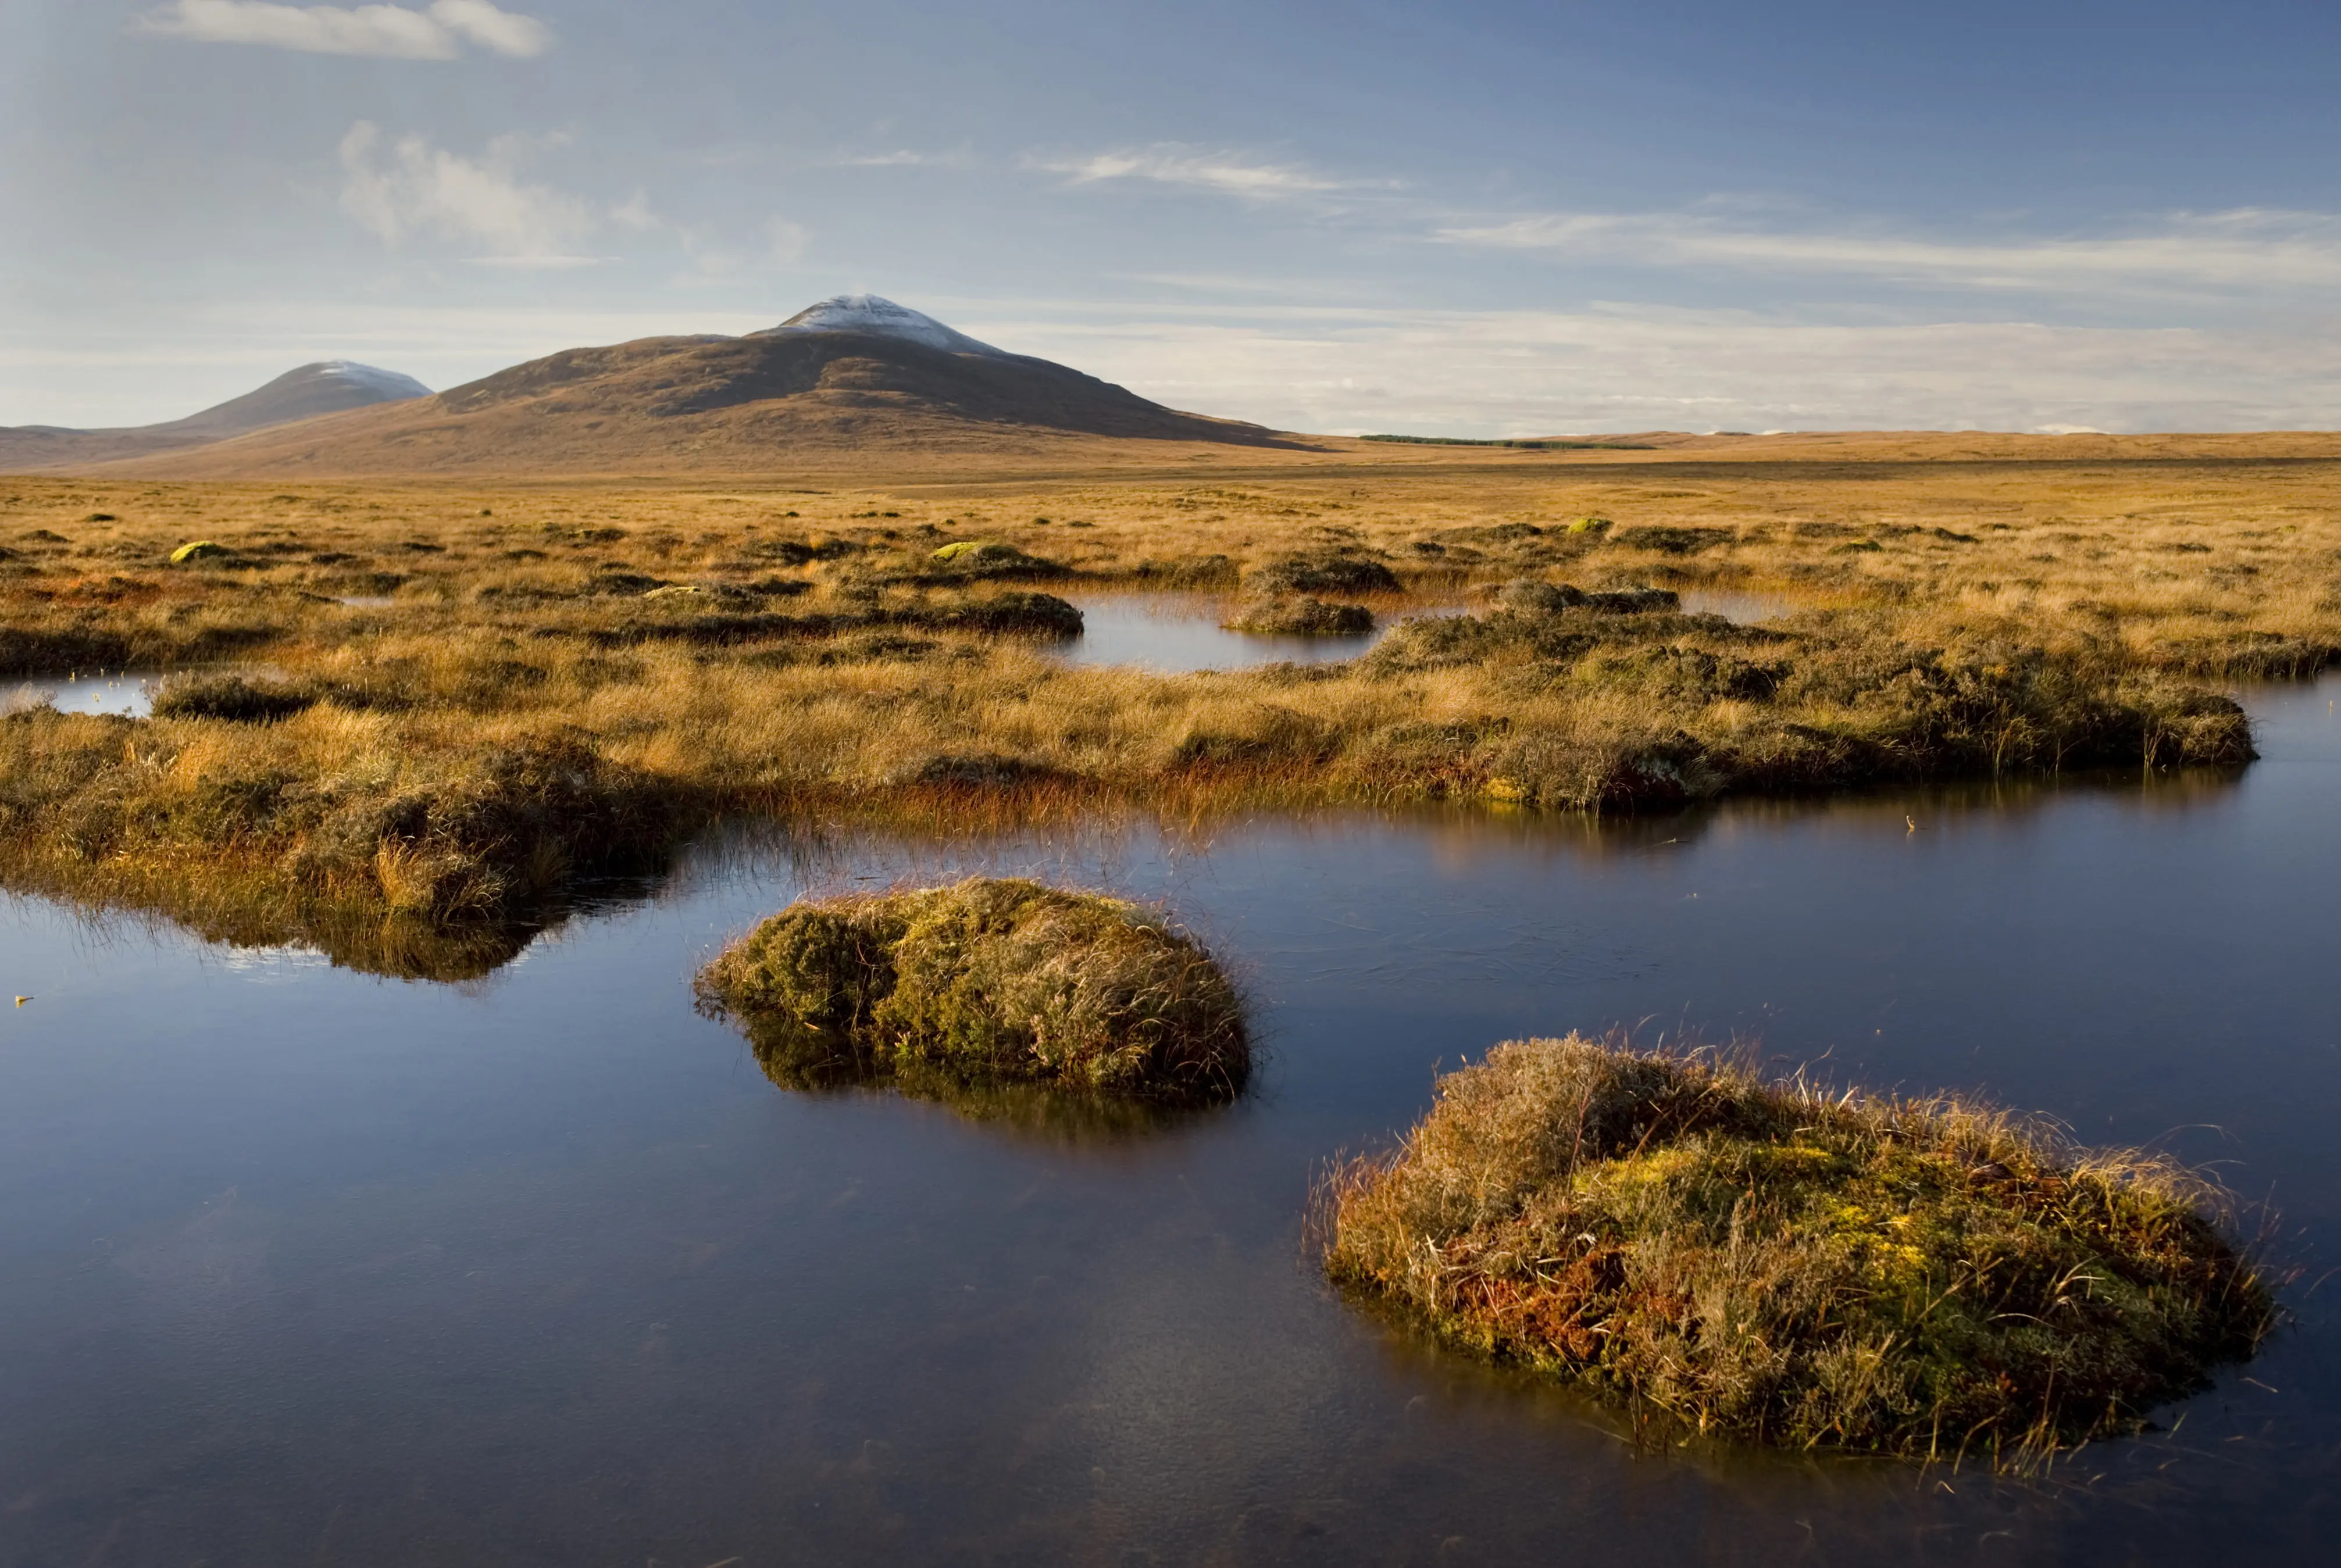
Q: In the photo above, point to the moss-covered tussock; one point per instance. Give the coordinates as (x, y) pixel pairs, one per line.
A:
(986, 981)
(1767, 1261)
(1287, 615)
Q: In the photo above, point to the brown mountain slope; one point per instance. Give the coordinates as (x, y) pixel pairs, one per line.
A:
(698, 404)
(328, 386)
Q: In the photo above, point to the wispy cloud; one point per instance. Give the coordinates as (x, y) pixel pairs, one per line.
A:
(407, 186)
(437, 32)
(1540, 373)
(2249, 249)
(906, 158)
(1225, 174)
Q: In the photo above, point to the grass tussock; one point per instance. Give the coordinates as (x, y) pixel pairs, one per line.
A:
(983, 984)
(1767, 1261)
(1289, 615)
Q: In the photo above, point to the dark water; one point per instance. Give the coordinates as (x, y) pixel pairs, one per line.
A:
(300, 1267)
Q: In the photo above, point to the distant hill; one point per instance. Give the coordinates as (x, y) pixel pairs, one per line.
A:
(330, 386)
(848, 376)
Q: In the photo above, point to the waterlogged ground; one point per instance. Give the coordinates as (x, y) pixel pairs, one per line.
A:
(303, 1266)
(1178, 633)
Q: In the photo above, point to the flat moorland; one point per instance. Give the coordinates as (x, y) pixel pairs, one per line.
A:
(414, 713)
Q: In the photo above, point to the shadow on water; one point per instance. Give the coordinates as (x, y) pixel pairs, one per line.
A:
(311, 1264)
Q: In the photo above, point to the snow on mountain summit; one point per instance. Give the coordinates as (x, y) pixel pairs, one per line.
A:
(389, 386)
(882, 318)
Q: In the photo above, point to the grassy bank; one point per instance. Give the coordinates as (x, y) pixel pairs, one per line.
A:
(408, 659)
(1777, 1263)
(986, 984)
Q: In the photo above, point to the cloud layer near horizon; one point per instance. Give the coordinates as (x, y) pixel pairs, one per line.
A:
(1357, 371)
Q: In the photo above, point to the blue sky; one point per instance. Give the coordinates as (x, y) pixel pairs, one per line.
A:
(1473, 219)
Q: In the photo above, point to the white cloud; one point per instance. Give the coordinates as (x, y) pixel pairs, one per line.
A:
(903, 158)
(1173, 163)
(507, 33)
(408, 187)
(390, 32)
(2247, 250)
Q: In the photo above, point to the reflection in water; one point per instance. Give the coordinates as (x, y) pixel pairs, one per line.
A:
(1176, 633)
(1749, 607)
(305, 1265)
(127, 692)
(1034, 1111)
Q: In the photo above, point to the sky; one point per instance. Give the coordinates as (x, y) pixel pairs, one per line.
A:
(1473, 219)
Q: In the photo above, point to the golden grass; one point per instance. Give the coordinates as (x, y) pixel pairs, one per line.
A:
(654, 656)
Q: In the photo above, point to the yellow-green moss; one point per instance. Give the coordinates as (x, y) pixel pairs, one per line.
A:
(1915, 1277)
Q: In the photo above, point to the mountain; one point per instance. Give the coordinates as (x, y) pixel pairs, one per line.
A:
(848, 377)
(329, 386)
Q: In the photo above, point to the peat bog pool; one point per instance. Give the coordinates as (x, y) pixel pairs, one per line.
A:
(127, 692)
(1179, 633)
(306, 1267)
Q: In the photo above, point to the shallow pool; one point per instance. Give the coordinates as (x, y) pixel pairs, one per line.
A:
(303, 1266)
(129, 692)
(1177, 633)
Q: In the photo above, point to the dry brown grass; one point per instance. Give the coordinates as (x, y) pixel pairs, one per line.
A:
(760, 648)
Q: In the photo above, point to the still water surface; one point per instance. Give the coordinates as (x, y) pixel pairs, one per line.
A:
(298, 1266)
(1179, 633)
(127, 692)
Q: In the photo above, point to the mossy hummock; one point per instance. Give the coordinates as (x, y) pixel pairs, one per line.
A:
(1287, 615)
(1767, 1261)
(989, 981)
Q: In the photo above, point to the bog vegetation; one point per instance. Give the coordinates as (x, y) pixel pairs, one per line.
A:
(984, 983)
(408, 719)
(1772, 1262)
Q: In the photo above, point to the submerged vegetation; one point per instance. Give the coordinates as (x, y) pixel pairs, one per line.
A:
(371, 680)
(1768, 1261)
(984, 984)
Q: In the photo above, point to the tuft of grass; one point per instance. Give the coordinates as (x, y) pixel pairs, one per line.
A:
(1330, 573)
(234, 698)
(1297, 615)
(1768, 1261)
(985, 983)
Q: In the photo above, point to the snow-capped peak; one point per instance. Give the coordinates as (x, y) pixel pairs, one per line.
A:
(869, 314)
(389, 386)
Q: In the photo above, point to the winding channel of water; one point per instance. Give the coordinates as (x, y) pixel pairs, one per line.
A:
(303, 1265)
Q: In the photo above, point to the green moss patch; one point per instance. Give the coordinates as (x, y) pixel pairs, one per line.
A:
(987, 981)
(1766, 1261)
